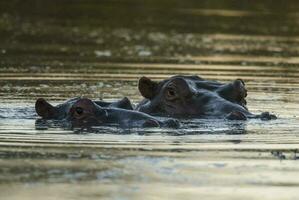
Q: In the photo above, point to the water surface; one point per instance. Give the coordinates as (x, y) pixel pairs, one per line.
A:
(58, 50)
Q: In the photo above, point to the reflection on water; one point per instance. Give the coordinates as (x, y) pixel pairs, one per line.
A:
(58, 50)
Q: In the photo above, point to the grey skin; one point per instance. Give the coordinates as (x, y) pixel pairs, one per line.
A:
(86, 113)
(194, 97)
(48, 111)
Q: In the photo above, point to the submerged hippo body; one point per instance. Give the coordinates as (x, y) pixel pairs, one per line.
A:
(83, 112)
(47, 111)
(194, 97)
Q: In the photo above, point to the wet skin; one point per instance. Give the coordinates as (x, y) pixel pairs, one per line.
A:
(48, 111)
(87, 113)
(83, 112)
(195, 97)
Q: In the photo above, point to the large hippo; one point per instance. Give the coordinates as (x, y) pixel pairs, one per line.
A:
(195, 97)
(83, 112)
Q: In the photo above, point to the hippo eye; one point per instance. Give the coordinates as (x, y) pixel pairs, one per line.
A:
(79, 110)
(171, 93)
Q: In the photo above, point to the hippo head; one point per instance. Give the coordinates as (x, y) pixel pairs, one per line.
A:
(188, 96)
(85, 112)
(174, 97)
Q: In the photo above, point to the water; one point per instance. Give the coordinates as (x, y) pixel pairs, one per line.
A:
(99, 50)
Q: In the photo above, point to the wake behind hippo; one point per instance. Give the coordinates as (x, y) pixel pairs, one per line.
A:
(195, 97)
(83, 112)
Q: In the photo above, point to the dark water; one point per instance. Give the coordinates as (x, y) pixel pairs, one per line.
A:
(99, 49)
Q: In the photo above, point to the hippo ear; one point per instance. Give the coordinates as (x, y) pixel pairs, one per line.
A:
(44, 109)
(147, 87)
(182, 86)
(124, 103)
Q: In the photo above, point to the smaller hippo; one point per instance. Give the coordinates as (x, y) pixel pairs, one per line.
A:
(86, 113)
(83, 112)
(47, 111)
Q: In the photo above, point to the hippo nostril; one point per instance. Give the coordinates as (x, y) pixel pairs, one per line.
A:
(79, 110)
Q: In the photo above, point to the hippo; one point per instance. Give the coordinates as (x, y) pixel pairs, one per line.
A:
(47, 111)
(83, 112)
(183, 96)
